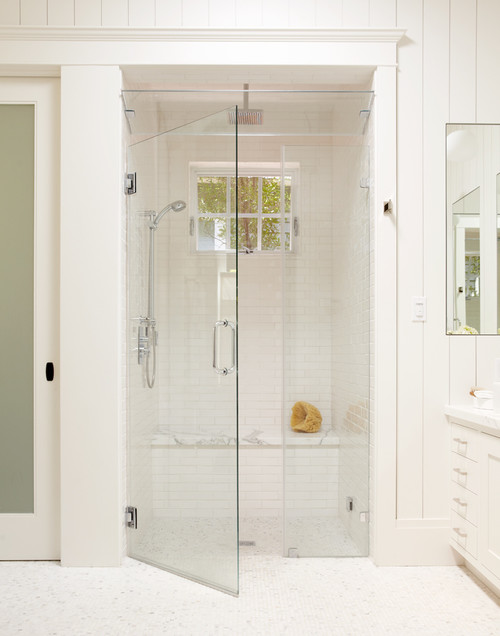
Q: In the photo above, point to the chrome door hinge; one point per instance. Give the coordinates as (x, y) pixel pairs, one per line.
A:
(131, 183)
(131, 517)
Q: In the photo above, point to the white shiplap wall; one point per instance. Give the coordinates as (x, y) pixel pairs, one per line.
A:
(447, 72)
(200, 13)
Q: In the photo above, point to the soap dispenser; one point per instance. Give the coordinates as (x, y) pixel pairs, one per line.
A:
(496, 387)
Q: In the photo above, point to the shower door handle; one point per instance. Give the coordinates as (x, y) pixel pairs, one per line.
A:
(215, 362)
(232, 368)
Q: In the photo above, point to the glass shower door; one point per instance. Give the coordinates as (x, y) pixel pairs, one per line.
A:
(182, 352)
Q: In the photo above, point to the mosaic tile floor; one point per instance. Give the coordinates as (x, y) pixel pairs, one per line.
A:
(302, 597)
(205, 548)
(311, 536)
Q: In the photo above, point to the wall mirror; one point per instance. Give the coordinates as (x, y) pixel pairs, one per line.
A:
(473, 221)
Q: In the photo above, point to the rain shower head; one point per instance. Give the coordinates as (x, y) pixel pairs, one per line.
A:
(246, 116)
(176, 206)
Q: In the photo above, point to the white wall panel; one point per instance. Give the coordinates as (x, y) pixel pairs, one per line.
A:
(435, 443)
(410, 262)
(302, 14)
(488, 348)
(383, 13)
(195, 13)
(462, 60)
(33, 12)
(87, 12)
(60, 12)
(488, 54)
(329, 13)
(463, 368)
(91, 288)
(10, 12)
(275, 14)
(249, 14)
(355, 13)
(384, 432)
(114, 12)
(221, 13)
(168, 13)
(141, 13)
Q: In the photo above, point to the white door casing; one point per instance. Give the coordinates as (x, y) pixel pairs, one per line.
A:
(36, 536)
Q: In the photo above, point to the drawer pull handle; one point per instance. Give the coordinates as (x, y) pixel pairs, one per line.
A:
(460, 503)
(460, 533)
(461, 445)
(461, 472)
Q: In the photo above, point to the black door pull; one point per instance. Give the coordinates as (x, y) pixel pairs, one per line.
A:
(49, 371)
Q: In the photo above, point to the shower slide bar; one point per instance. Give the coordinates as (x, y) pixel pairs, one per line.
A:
(215, 362)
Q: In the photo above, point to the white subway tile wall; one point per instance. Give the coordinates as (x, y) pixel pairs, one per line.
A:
(369, 141)
(142, 410)
(327, 331)
(351, 337)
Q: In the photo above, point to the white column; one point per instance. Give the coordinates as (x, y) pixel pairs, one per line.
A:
(384, 438)
(91, 270)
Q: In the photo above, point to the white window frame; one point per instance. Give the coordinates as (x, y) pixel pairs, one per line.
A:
(245, 169)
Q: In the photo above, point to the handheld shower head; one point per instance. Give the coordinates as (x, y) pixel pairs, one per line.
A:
(176, 206)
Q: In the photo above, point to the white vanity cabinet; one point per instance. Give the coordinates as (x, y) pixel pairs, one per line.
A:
(489, 516)
(475, 490)
(464, 488)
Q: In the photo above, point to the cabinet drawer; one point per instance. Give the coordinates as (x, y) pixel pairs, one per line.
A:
(465, 441)
(465, 503)
(465, 472)
(464, 534)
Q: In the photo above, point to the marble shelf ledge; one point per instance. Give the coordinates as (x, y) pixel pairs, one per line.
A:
(248, 439)
(479, 419)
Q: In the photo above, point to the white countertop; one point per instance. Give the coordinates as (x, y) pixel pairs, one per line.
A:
(479, 419)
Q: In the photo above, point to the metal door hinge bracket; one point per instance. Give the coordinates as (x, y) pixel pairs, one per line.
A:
(131, 183)
(131, 517)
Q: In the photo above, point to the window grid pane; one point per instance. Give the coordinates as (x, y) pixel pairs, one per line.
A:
(261, 224)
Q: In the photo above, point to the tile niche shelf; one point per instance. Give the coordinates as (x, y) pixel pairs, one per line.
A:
(475, 490)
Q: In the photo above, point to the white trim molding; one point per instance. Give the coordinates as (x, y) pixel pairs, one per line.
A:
(91, 104)
(159, 34)
(32, 47)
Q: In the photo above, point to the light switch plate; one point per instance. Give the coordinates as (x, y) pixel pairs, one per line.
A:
(419, 308)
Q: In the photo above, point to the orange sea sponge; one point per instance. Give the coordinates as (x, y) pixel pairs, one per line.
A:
(305, 418)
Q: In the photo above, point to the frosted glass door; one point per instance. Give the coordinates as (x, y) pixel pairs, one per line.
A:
(182, 433)
(17, 285)
(29, 320)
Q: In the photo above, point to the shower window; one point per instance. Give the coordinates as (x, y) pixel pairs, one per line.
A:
(265, 208)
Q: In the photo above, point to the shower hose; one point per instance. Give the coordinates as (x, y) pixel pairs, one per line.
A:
(150, 377)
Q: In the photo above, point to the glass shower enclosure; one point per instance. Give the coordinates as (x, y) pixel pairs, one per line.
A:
(182, 350)
(251, 236)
